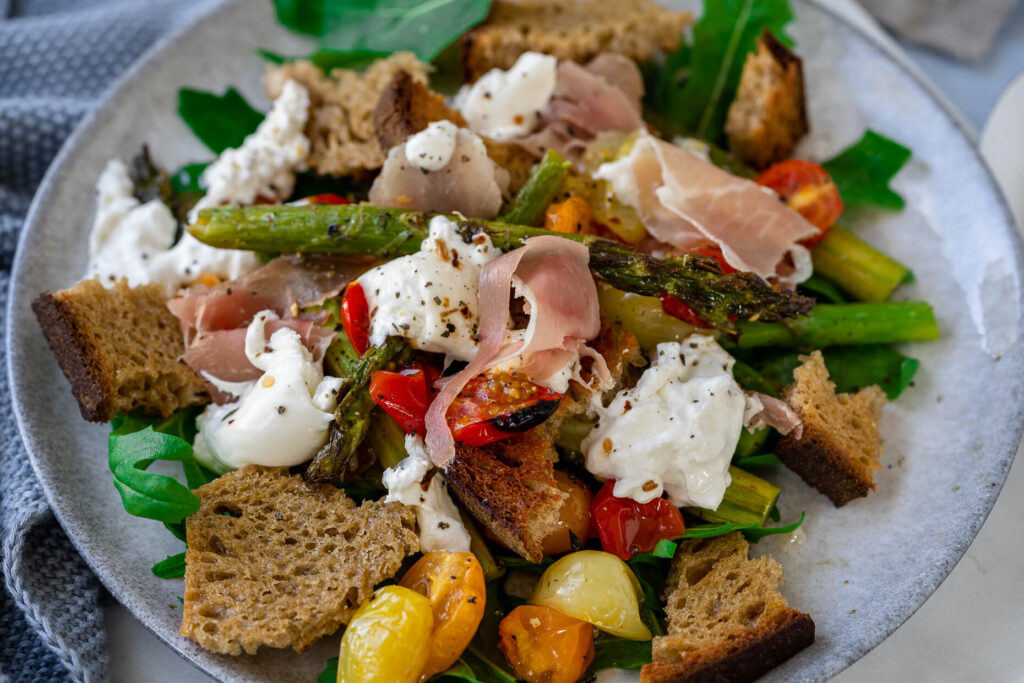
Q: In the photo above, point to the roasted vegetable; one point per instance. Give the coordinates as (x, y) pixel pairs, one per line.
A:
(544, 645)
(388, 639)
(538, 192)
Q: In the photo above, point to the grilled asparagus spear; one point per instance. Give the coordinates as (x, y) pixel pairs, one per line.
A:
(361, 229)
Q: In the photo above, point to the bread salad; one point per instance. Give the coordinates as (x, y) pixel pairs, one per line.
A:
(485, 343)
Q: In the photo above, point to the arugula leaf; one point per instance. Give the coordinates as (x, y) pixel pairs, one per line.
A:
(850, 368)
(219, 121)
(753, 532)
(330, 59)
(330, 673)
(825, 289)
(862, 172)
(424, 27)
(171, 567)
(459, 671)
(481, 668)
(699, 81)
(664, 549)
(763, 460)
(617, 653)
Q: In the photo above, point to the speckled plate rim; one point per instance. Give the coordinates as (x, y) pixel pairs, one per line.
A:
(111, 99)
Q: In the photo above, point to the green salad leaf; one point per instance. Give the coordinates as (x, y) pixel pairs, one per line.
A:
(617, 653)
(823, 289)
(171, 567)
(219, 121)
(849, 367)
(330, 59)
(330, 673)
(424, 27)
(862, 172)
(698, 82)
(753, 532)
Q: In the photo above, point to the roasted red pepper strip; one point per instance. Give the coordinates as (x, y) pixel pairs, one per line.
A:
(355, 317)
(675, 306)
(807, 188)
(404, 395)
(329, 198)
(627, 528)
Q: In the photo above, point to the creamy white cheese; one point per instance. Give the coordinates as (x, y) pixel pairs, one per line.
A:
(282, 418)
(440, 525)
(133, 240)
(430, 297)
(266, 163)
(675, 431)
(431, 149)
(507, 104)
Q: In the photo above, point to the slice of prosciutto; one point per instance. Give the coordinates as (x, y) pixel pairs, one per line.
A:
(687, 203)
(469, 183)
(563, 313)
(602, 96)
(214, 319)
(775, 413)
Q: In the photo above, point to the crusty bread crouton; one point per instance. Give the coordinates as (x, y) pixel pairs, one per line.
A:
(275, 562)
(840, 446)
(119, 349)
(340, 129)
(570, 29)
(407, 106)
(727, 620)
(768, 116)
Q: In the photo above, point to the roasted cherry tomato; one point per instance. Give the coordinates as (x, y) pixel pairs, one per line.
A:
(355, 317)
(542, 645)
(497, 405)
(716, 254)
(454, 584)
(329, 198)
(573, 527)
(388, 639)
(678, 308)
(808, 189)
(405, 395)
(627, 527)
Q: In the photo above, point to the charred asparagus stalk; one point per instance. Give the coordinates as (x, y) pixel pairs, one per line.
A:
(538, 192)
(748, 500)
(363, 229)
(352, 416)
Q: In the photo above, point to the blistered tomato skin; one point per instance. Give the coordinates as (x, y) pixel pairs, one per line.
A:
(596, 587)
(573, 517)
(388, 640)
(542, 645)
(455, 586)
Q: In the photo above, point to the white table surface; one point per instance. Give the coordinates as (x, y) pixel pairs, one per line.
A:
(971, 629)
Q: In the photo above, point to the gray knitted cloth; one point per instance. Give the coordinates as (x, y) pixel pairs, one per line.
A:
(56, 58)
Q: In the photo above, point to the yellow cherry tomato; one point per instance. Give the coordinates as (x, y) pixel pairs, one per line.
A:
(454, 584)
(596, 587)
(388, 639)
(573, 516)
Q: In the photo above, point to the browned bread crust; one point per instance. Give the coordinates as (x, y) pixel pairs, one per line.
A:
(840, 446)
(509, 487)
(407, 106)
(340, 129)
(119, 349)
(275, 562)
(727, 620)
(768, 116)
(570, 29)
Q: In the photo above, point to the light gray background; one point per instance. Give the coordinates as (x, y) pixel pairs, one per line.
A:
(971, 628)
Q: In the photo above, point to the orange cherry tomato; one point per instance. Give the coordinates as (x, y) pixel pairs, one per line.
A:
(571, 216)
(454, 584)
(807, 188)
(542, 645)
(497, 405)
(573, 517)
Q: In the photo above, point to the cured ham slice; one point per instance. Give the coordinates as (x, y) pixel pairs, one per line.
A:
(775, 413)
(470, 183)
(687, 203)
(214, 319)
(552, 274)
(601, 96)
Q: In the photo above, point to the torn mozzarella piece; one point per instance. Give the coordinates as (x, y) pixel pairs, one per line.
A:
(440, 525)
(675, 431)
(282, 418)
(432, 148)
(504, 105)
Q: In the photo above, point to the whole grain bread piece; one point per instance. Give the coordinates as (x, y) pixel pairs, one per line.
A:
(840, 446)
(275, 562)
(119, 349)
(570, 29)
(340, 126)
(407, 106)
(768, 116)
(727, 621)
(509, 487)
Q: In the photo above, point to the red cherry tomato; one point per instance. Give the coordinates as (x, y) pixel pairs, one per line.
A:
(675, 306)
(405, 395)
(329, 198)
(808, 189)
(627, 528)
(498, 405)
(355, 317)
(715, 253)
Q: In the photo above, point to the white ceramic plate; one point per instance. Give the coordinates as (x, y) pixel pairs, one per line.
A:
(860, 571)
(1002, 145)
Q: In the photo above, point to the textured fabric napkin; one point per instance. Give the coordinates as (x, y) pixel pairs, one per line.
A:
(56, 58)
